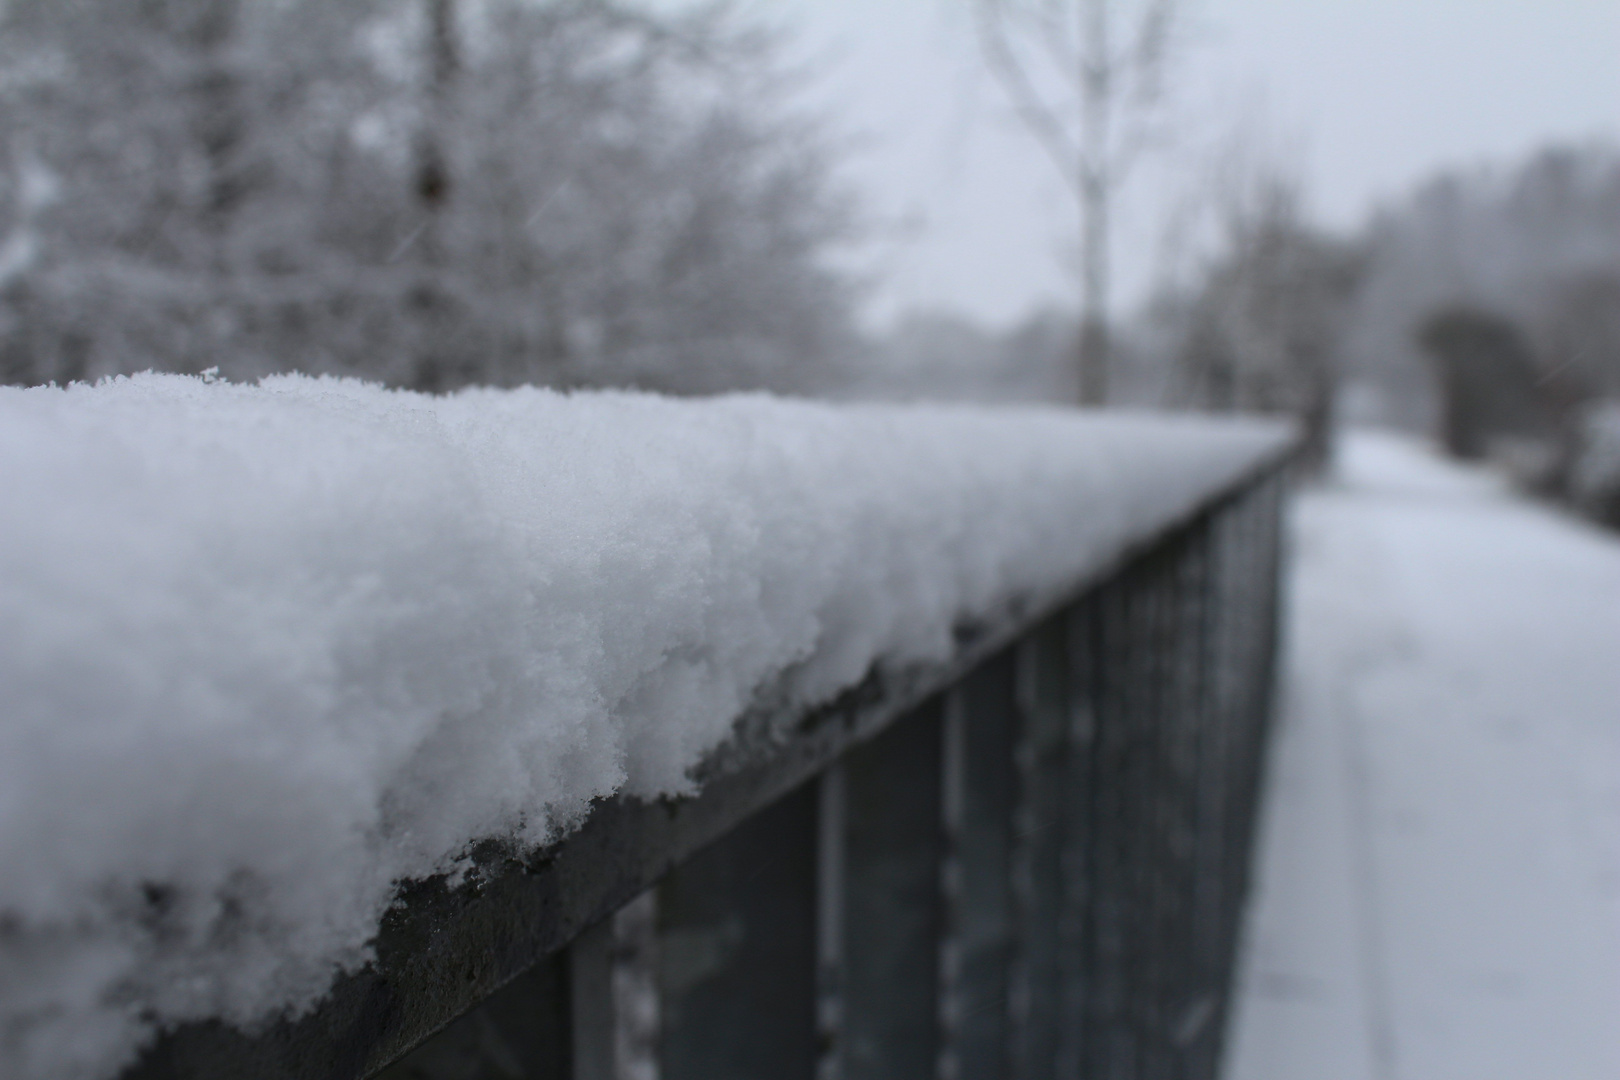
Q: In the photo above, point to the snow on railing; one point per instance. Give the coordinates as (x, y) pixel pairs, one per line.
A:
(330, 710)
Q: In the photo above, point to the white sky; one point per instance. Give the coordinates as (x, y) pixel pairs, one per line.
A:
(1367, 96)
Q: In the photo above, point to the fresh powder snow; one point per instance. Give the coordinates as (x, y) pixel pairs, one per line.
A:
(269, 650)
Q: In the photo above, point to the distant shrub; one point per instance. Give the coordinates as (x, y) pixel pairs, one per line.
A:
(1594, 475)
(1488, 380)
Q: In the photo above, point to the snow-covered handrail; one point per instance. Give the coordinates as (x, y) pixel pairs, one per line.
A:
(279, 659)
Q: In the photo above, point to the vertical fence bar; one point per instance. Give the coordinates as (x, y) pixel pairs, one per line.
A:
(893, 917)
(1140, 687)
(1194, 1000)
(637, 999)
(1204, 1012)
(1155, 935)
(737, 951)
(1232, 696)
(1039, 835)
(1080, 856)
(1261, 517)
(983, 711)
(594, 1013)
(831, 832)
(1234, 701)
(1110, 1046)
(952, 807)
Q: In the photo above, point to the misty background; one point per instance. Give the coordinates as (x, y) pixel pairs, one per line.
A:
(1396, 214)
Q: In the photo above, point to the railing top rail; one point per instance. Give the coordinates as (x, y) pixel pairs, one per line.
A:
(318, 503)
(445, 949)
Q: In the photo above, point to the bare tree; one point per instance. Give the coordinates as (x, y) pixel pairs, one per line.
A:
(427, 300)
(1086, 77)
(1258, 329)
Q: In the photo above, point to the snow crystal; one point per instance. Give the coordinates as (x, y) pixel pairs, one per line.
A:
(268, 650)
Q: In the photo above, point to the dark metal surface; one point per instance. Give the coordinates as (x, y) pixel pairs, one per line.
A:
(1040, 828)
(982, 726)
(520, 1033)
(737, 951)
(893, 920)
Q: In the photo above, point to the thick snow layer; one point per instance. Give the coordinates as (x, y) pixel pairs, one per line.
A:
(268, 650)
(1439, 881)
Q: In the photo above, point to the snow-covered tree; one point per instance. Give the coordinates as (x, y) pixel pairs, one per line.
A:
(432, 193)
(188, 144)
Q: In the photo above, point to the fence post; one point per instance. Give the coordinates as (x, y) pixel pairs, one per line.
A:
(1040, 852)
(892, 915)
(737, 951)
(1082, 849)
(982, 723)
(591, 960)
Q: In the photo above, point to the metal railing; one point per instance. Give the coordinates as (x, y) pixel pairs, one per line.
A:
(1029, 863)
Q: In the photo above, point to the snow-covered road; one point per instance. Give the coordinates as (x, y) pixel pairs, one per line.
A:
(1438, 892)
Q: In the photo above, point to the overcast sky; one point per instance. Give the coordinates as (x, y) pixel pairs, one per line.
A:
(1364, 97)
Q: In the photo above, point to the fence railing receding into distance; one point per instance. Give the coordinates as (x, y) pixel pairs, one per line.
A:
(1028, 863)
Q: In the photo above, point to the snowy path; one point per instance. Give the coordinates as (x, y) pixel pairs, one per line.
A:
(1439, 885)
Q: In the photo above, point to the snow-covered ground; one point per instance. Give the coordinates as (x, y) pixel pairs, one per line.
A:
(1439, 881)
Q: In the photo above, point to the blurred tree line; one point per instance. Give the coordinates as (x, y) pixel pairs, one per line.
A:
(1483, 308)
(433, 193)
(427, 192)
(1493, 319)
(1534, 249)
(1250, 322)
